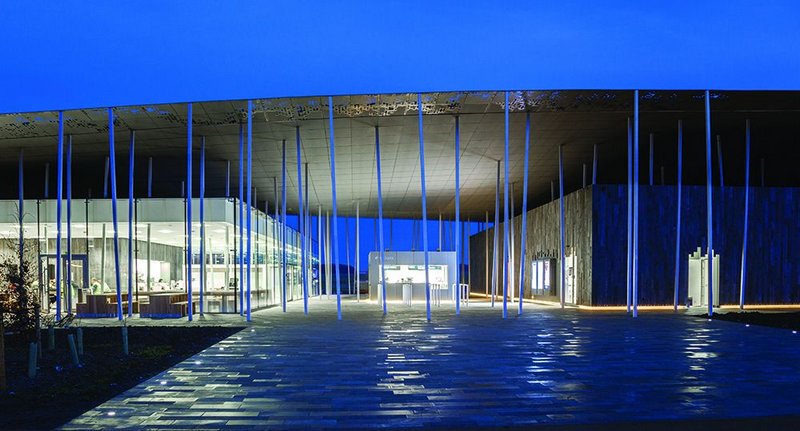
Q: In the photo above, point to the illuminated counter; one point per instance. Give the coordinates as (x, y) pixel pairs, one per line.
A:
(408, 268)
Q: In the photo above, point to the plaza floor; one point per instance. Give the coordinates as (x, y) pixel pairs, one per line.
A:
(547, 367)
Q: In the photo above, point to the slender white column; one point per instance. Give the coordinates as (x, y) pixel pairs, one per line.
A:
(358, 260)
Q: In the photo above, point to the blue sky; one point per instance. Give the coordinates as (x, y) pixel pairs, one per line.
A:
(70, 54)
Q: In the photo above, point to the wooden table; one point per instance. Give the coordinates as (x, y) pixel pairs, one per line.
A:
(167, 305)
(104, 305)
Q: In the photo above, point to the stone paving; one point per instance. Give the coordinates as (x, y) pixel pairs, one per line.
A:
(550, 366)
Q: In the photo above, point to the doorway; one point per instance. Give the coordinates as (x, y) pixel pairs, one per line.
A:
(74, 273)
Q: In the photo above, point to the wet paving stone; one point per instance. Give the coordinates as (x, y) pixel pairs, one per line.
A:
(549, 366)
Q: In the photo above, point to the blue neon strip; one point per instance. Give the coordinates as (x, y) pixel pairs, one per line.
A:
(424, 205)
(335, 260)
(506, 218)
(457, 224)
(746, 211)
(240, 258)
(21, 207)
(561, 223)
(112, 157)
(130, 219)
(188, 209)
(69, 225)
(301, 222)
(629, 277)
(522, 262)
(283, 224)
(495, 231)
(635, 255)
(202, 221)
(710, 208)
(678, 223)
(249, 197)
(380, 217)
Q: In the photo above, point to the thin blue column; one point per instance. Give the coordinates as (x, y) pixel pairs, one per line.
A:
(112, 157)
(380, 217)
(424, 206)
(524, 211)
(21, 210)
(130, 221)
(249, 198)
(629, 286)
(283, 225)
(635, 254)
(678, 223)
(335, 259)
(594, 165)
(189, 307)
(494, 230)
(506, 218)
(710, 209)
(59, 197)
(746, 211)
(457, 224)
(202, 222)
(301, 222)
(240, 257)
(69, 225)
(561, 223)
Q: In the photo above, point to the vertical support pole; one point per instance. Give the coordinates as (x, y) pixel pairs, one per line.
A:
(347, 253)
(308, 267)
(486, 254)
(59, 197)
(240, 257)
(47, 180)
(131, 150)
(190, 305)
(358, 260)
(652, 147)
(329, 261)
(149, 177)
(335, 259)
(561, 223)
(319, 251)
(283, 225)
(113, 174)
(149, 264)
(525, 209)
(21, 211)
(719, 159)
(594, 164)
(743, 280)
(380, 218)
(458, 214)
(495, 256)
(678, 223)
(506, 218)
(69, 225)
(275, 233)
(512, 247)
(710, 208)
(635, 255)
(202, 222)
(629, 276)
(249, 204)
(424, 206)
(301, 221)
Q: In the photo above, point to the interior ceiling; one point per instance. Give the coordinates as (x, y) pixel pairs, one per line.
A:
(575, 120)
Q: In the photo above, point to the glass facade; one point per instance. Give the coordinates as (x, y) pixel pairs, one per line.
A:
(152, 255)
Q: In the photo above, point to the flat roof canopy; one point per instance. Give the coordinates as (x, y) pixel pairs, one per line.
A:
(578, 120)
